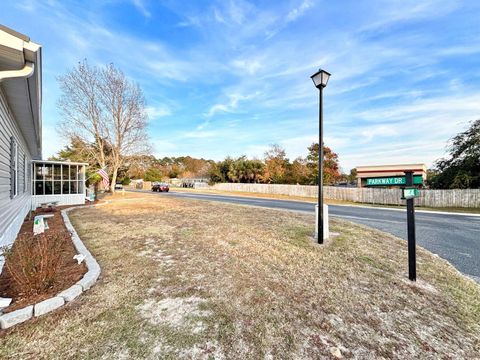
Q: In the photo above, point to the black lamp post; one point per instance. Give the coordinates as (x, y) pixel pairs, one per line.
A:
(320, 79)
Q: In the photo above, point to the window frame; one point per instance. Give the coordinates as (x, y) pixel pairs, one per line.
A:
(14, 168)
(25, 173)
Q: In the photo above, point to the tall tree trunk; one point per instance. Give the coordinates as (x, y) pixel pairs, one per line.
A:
(101, 152)
(114, 179)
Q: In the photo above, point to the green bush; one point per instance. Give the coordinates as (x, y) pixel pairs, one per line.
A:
(126, 180)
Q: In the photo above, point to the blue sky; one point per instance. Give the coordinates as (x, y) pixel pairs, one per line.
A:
(231, 77)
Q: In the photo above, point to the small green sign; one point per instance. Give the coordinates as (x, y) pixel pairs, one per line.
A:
(393, 181)
(410, 193)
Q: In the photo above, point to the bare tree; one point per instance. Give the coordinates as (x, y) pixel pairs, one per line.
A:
(81, 111)
(125, 116)
(103, 107)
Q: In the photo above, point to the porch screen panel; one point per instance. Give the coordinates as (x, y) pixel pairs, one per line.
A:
(73, 187)
(57, 179)
(66, 179)
(38, 179)
(81, 178)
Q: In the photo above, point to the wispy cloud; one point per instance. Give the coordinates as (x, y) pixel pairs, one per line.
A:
(155, 112)
(201, 134)
(250, 66)
(230, 105)
(26, 5)
(232, 12)
(461, 107)
(394, 12)
(139, 4)
(295, 13)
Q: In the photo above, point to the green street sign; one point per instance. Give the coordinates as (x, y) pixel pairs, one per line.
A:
(410, 193)
(393, 181)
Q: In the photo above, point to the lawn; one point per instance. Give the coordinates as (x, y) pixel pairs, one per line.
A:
(193, 279)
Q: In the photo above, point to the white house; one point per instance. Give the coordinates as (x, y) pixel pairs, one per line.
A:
(26, 180)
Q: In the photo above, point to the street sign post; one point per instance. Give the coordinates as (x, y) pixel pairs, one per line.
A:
(410, 194)
(393, 181)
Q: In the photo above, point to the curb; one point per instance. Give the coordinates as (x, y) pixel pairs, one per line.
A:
(86, 282)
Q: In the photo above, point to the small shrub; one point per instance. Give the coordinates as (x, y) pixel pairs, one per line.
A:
(33, 261)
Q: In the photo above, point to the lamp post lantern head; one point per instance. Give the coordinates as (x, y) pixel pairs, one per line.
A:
(320, 78)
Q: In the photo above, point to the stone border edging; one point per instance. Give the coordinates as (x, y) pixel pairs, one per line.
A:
(86, 282)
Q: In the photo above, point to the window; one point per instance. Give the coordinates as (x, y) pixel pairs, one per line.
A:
(65, 179)
(47, 172)
(66, 188)
(25, 173)
(57, 171)
(39, 172)
(73, 187)
(73, 172)
(38, 179)
(81, 179)
(48, 188)
(13, 168)
(57, 176)
(39, 188)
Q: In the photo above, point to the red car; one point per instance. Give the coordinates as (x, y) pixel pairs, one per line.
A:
(160, 187)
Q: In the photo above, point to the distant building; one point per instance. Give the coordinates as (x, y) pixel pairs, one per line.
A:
(387, 176)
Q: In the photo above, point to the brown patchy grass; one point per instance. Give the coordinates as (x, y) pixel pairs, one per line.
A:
(194, 279)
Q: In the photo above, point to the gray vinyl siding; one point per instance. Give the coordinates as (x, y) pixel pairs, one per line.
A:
(12, 211)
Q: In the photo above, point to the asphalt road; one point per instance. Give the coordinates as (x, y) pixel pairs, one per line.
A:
(454, 237)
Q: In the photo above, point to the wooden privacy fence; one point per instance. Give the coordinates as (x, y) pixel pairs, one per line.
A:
(278, 189)
(467, 198)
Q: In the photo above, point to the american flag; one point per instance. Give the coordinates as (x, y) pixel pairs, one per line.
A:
(104, 176)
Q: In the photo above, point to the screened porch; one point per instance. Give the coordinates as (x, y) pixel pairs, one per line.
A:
(58, 181)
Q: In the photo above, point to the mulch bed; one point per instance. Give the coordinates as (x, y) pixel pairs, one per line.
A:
(68, 274)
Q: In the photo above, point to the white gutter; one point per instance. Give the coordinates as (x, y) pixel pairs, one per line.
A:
(24, 73)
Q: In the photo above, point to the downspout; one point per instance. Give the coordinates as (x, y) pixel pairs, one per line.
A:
(24, 73)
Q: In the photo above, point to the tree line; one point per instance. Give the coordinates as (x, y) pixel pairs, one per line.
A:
(273, 168)
(276, 168)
